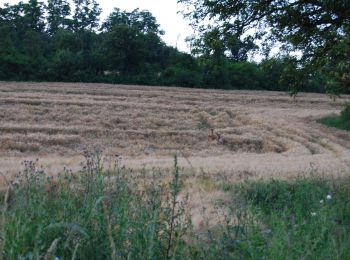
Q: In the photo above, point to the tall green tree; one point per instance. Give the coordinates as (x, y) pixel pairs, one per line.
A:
(58, 12)
(34, 15)
(132, 42)
(11, 60)
(86, 15)
(24, 16)
(217, 43)
(24, 41)
(128, 50)
(143, 21)
(317, 29)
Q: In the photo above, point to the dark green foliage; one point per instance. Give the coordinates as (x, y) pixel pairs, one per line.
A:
(341, 122)
(303, 218)
(337, 122)
(86, 15)
(278, 196)
(246, 75)
(272, 70)
(318, 30)
(93, 214)
(217, 44)
(127, 49)
(58, 12)
(345, 114)
(181, 77)
(119, 213)
(58, 42)
(143, 21)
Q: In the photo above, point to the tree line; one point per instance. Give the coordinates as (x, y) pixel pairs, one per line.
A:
(58, 41)
(313, 36)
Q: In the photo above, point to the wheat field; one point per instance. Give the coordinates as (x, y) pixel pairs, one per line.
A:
(266, 133)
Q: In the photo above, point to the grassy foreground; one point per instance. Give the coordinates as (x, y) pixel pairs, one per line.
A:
(115, 214)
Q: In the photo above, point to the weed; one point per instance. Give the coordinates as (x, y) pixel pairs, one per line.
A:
(341, 122)
(119, 214)
(345, 113)
(93, 214)
(204, 122)
(303, 219)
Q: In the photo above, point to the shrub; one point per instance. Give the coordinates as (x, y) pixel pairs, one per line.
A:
(119, 214)
(306, 218)
(92, 215)
(341, 122)
(345, 114)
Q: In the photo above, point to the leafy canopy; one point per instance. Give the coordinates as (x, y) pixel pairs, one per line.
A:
(318, 30)
(143, 21)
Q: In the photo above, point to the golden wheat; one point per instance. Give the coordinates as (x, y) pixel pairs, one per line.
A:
(265, 133)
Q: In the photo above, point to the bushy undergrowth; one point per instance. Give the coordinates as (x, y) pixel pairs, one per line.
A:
(341, 122)
(95, 214)
(117, 214)
(345, 113)
(306, 218)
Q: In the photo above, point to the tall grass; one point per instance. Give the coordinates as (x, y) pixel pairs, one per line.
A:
(116, 214)
(92, 214)
(306, 218)
(342, 121)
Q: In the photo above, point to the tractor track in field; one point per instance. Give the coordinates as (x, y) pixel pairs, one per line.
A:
(266, 133)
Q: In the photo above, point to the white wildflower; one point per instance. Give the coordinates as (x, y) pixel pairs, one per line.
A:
(329, 197)
(313, 214)
(321, 201)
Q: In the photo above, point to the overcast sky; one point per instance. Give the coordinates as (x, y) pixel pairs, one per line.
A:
(175, 27)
